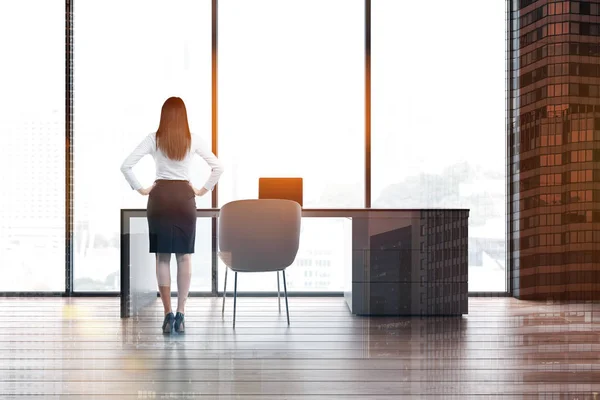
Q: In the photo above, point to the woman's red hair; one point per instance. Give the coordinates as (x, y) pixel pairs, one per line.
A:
(173, 136)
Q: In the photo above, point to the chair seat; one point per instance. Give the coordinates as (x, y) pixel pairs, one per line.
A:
(226, 257)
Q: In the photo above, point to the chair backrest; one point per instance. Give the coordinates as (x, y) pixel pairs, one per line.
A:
(259, 235)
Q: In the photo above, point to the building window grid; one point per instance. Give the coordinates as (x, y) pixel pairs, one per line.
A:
(558, 8)
(558, 219)
(559, 239)
(557, 159)
(560, 49)
(558, 90)
(559, 28)
(557, 179)
(580, 176)
(588, 70)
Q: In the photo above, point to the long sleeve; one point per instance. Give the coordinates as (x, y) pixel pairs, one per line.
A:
(145, 147)
(215, 164)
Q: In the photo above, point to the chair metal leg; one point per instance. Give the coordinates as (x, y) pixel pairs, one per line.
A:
(234, 295)
(224, 292)
(278, 297)
(287, 311)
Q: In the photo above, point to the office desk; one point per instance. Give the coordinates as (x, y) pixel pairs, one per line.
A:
(404, 261)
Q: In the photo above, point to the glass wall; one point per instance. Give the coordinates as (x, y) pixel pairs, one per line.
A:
(438, 128)
(291, 104)
(32, 155)
(129, 58)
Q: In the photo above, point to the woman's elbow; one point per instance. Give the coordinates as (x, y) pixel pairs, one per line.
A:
(219, 168)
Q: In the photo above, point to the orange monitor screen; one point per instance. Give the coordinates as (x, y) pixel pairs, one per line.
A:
(280, 188)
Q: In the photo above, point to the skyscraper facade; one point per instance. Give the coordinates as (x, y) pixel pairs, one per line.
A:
(553, 148)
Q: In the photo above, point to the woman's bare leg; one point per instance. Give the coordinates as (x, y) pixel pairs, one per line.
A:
(184, 277)
(163, 276)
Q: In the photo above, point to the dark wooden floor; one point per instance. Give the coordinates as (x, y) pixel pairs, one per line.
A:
(80, 349)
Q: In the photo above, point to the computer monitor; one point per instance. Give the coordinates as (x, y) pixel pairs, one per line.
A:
(280, 188)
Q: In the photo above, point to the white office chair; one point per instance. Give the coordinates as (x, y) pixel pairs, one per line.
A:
(259, 236)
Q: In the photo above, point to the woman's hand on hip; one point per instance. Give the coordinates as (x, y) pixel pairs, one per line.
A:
(146, 192)
(199, 192)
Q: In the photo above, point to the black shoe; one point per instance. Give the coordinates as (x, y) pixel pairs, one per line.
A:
(179, 323)
(167, 325)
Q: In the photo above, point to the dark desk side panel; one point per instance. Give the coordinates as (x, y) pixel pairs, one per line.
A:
(410, 263)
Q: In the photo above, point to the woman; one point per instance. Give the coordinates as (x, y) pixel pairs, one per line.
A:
(171, 203)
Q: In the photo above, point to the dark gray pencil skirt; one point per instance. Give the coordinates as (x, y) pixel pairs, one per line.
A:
(171, 215)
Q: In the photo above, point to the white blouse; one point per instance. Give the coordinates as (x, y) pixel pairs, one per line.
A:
(171, 169)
